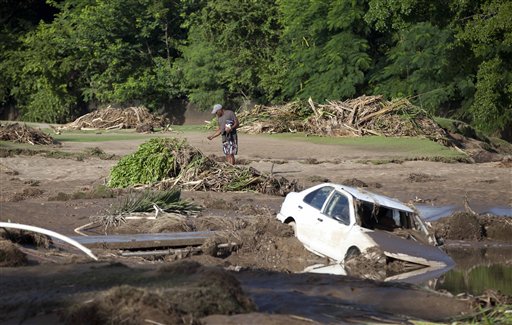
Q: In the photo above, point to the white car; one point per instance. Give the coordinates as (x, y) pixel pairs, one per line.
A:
(339, 222)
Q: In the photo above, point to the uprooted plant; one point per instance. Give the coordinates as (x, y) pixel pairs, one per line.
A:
(170, 162)
(167, 203)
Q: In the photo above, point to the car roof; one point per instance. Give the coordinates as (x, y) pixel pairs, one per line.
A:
(374, 198)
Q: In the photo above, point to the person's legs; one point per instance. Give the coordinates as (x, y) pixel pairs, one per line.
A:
(230, 149)
(230, 159)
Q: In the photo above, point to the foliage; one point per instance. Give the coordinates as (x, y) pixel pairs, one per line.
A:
(229, 44)
(172, 162)
(416, 67)
(113, 52)
(327, 48)
(60, 58)
(152, 162)
(489, 34)
(401, 14)
(145, 201)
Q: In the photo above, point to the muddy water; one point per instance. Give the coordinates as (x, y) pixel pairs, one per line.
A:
(432, 213)
(478, 266)
(478, 269)
(330, 299)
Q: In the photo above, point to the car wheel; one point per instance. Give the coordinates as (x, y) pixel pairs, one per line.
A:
(352, 252)
(294, 227)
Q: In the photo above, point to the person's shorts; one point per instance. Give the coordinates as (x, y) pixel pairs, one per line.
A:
(230, 145)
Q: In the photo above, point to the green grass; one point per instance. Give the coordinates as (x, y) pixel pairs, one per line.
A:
(407, 146)
(190, 128)
(81, 136)
(118, 135)
(8, 149)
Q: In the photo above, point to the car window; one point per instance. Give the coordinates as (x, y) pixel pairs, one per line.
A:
(338, 208)
(318, 197)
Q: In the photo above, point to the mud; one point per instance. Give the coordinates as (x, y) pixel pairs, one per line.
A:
(373, 264)
(260, 241)
(11, 255)
(258, 318)
(473, 227)
(104, 292)
(60, 281)
(127, 305)
(421, 178)
(26, 238)
(111, 293)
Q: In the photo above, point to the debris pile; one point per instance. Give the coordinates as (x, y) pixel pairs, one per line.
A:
(21, 133)
(165, 163)
(274, 119)
(258, 241)
(365, 115)
(374, 264)
(117, 118)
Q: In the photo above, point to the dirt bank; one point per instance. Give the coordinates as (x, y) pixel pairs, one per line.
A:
(262, 242)
(47, 192)
(113, 293)
(474, 227)
(187, 291)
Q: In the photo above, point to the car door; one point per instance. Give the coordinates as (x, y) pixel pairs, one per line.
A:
(309, 211)
(333, 226)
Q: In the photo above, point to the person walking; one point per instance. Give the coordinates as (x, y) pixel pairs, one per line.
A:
(228, 123)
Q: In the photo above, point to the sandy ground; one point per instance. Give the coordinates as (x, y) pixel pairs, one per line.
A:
(28, 182)
(485, 185)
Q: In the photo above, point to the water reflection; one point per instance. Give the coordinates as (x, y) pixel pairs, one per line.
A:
(418, 276)
(476, 270)
(433, 213)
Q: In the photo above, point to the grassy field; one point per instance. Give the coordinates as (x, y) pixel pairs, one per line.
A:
(410, 148)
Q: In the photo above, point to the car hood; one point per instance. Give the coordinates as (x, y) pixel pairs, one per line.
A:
(410, 250)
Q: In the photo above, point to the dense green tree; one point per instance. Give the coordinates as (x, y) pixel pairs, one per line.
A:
(58, 57)
(16, 19)
(401, 14)
(230, 44)
(43, 70)
(489, 33)
(94, 52)
(419, 66)
(328, 51)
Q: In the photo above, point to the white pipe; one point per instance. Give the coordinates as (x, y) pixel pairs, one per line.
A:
(49, 233)
(84, 227)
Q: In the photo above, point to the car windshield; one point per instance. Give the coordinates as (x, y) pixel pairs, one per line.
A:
(317, 198)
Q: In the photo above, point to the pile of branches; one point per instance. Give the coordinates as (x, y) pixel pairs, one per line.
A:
(372, 115)
(117, 118)
(165, 163)
(365, 115)
(22, 133)
(274, 119)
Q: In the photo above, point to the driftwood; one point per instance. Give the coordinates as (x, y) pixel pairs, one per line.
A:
(117, 118)
(365, 115)
(22, 133)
